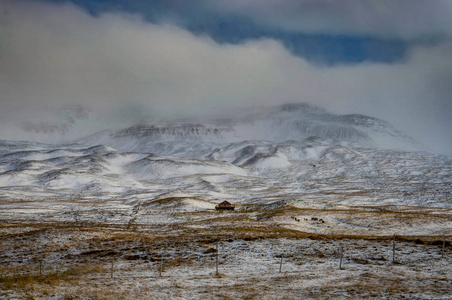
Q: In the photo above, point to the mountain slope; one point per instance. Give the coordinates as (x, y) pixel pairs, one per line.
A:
(314, 172)
(297, 154)
(67, 169)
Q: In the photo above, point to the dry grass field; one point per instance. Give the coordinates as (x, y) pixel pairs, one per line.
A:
(67, 257)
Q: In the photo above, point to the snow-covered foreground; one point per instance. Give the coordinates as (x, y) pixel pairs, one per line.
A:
(79, 263)
(77, 240)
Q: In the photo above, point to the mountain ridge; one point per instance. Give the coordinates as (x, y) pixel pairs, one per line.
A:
(277, 124)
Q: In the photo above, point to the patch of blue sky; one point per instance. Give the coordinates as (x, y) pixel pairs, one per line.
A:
(322, 49)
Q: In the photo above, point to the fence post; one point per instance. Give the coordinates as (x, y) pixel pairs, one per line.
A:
(161, 265)
(280, 264)
(341, 250)
(393, 248)
(444, 245)
(40, 267)
(216, 261)
(112, 268)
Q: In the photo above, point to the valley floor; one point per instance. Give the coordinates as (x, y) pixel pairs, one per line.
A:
(108, 250)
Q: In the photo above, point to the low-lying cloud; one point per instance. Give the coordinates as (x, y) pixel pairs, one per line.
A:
(68, 116)
(126, 70)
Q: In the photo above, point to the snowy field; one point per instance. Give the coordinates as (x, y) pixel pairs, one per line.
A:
(68, 252)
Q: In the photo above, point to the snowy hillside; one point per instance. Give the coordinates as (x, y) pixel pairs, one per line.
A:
(308, 172)
(297, 152)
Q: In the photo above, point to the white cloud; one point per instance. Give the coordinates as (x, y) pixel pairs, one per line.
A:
(123, 68)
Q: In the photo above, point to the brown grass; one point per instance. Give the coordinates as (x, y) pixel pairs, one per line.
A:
(24, 281)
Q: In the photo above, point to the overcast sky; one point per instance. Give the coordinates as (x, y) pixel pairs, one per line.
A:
(70, 68)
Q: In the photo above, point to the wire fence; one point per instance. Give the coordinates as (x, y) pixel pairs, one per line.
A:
(238, 256)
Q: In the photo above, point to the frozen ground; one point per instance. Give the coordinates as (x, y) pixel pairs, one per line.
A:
(68, 211)
(76, 263)
(77, 241)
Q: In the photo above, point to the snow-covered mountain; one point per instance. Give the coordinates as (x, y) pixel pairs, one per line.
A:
(292, 153)
(294, 122)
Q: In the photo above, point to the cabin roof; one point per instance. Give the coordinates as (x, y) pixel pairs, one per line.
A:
(225, 203)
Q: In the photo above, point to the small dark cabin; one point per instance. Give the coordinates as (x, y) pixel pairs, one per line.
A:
(225, 205)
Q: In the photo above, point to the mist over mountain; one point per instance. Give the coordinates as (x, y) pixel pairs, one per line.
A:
(290, 122)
